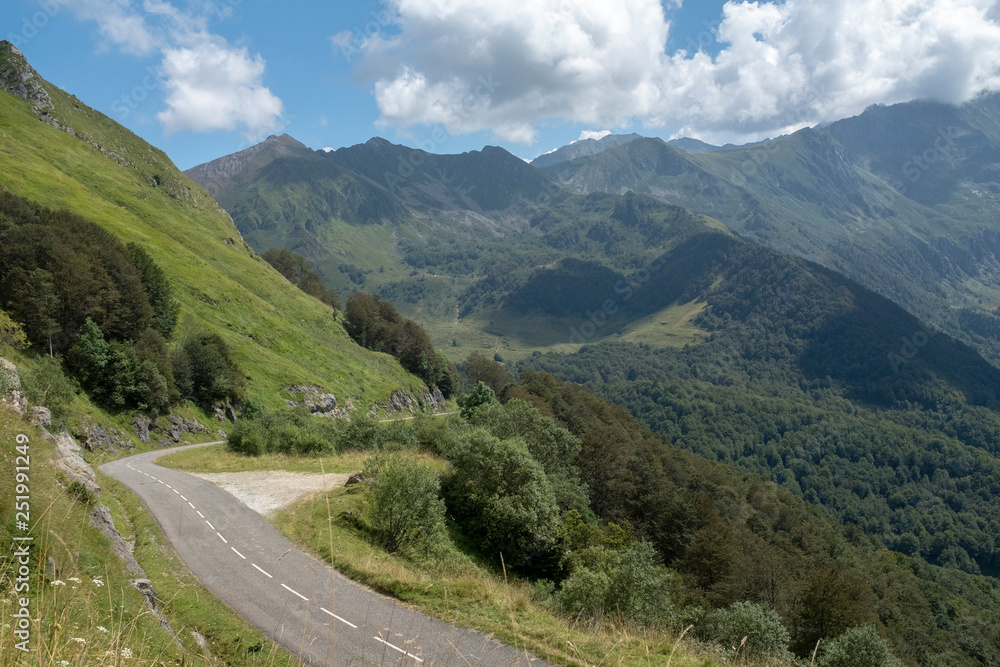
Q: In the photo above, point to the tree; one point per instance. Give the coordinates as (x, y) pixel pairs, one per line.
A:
(11, 333)
(478, 368)
(858, 647)
(158, 290)
(405, 510)
(761, 625)
(215, 377)
(501, 494)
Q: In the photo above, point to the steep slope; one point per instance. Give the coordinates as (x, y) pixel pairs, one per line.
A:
(60, 153)
(900, 198)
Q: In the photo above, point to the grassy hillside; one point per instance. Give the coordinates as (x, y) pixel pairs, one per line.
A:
(108, 175)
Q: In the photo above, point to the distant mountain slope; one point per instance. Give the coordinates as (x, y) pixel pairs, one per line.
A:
(901, 198)
(60, 153)
(582, 148)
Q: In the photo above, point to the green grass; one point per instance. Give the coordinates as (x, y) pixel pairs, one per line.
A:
(670, 327)
(216, 458)
(279, 335)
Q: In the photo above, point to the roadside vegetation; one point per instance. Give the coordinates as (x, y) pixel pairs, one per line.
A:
(555, 521)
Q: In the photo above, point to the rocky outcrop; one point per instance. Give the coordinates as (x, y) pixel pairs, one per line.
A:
(100, 518)
(141, 425)
(10, 387)
(100, 438)
(318, 402)
(435, 399)
(72, 463)
(20, 79)
(179, 426)
(41, 416)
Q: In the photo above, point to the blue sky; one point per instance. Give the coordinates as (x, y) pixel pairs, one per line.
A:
(204, 78)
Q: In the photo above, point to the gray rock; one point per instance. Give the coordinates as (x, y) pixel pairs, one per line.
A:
(231, 413)
(145, 586)
(179, 426)
(18, 78)
(400, 401)
(41, 416)
(13, 396)
(356, 478)
(72, 463)
(318, 402)
(99, 437)
(100, 518)
(141, 428)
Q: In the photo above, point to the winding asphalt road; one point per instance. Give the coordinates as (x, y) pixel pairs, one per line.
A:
(302, 604)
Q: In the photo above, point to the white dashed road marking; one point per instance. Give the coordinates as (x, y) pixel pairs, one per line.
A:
(222, 538)
(238, 553)
(338, 617)
(268, 575)
(295, 591)
(200, 514)
(379, 639)
(209, 524)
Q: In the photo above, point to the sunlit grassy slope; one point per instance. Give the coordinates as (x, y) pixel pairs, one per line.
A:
(107, 174)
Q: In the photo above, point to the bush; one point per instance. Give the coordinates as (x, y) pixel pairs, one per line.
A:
(858, 647)
(46, 384)
(289, 431)
(368, 434)
(405, 511)
(761, 626)
(11, 333)
(500, 494)
(626, 583)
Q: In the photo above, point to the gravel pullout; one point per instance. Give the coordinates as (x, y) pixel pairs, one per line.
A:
(267, 491)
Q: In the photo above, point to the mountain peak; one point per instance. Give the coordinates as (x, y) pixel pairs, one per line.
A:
(20, 79)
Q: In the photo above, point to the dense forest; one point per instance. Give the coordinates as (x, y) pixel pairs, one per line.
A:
(825, 390)
(106, 311)
(301, 274)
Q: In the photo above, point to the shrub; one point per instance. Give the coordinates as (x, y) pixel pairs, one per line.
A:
(11, 333)
(289, 431)
(46, 384)
(499, 493)
(405, 511)
(858, 647)
(761, 626)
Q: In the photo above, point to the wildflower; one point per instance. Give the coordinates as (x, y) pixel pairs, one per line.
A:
(58, 582)
(63, 662)
(98, 582)
(126, 652)
(75, 580)
(79, 640)
(102, 628)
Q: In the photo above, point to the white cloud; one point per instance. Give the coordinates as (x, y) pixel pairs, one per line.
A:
(212, 86)
(593, 134)
(781, 65)
(209, 84)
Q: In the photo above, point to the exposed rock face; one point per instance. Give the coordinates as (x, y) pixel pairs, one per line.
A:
(100, 518)
(71, 462)
(41, 416)
(99, 437)
(20, 79)
(319, 403)
(141, 429)
(400, 400)
(435, 399)
(179, 426)
(13, 396)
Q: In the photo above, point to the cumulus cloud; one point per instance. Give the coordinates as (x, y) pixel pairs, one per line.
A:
(208, 83)
(215, 87)
(593, 134)
(472, 64)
